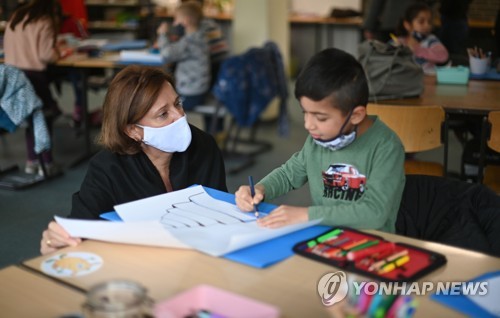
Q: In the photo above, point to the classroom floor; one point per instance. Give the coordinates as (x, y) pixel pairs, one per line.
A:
(25, 214)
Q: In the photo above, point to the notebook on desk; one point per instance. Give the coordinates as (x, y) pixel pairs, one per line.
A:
(259, 255)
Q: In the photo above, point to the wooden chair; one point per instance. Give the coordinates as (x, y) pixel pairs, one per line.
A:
(420, 128)
(492, 172)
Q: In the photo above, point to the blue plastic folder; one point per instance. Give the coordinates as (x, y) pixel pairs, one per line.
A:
(263, 254)
(462, 303)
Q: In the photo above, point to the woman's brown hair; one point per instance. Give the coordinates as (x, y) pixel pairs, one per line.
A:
(130, 96)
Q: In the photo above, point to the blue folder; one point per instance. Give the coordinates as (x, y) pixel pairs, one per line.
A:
(263, 254)
(462, 303)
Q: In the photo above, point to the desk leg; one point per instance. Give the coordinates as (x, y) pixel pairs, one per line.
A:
(85, 121)
(482, 149)
(446, 144)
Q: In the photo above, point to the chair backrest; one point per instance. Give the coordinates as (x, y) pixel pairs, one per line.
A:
(418, 127)
(451, 212)
(494, 141)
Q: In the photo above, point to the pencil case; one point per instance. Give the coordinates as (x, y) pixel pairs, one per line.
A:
(370, 255)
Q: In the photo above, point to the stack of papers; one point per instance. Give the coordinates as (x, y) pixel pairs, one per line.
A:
(188, 218)
(141, 57)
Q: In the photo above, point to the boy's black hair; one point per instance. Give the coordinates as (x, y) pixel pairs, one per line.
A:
(336, 74)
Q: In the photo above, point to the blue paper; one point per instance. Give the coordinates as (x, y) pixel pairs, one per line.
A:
(462, 303)
(259, 255)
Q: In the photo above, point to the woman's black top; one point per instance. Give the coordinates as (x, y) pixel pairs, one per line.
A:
(114, 179)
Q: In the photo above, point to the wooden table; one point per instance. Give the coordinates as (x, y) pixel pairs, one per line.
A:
(27, 294)
(291, 285)
(477, 97)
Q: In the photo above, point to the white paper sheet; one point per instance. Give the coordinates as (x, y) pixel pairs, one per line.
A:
(140, 233)
(193, 201)
(489, 302)
(181, 219)
(221, 239)
(140, 56)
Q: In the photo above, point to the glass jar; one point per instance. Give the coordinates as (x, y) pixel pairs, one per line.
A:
(118, 299)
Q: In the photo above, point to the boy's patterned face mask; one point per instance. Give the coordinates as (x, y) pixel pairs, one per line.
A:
(341, 140)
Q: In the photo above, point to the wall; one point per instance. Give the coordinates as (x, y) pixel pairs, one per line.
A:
(323, 7)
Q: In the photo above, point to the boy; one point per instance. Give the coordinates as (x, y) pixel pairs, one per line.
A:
(191, 52)
(353, 163)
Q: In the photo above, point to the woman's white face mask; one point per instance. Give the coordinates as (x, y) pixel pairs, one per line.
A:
(175, 137)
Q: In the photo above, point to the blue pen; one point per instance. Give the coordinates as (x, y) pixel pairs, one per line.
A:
(252, 193)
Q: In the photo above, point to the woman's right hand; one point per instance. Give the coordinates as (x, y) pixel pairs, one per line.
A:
(55, 237)
(244, 199)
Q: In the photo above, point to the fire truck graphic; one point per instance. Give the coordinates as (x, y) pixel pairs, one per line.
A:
(344, 176)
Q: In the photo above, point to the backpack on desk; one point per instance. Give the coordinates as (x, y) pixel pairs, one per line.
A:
(391, 70)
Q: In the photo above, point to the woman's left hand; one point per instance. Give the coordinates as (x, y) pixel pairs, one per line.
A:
(284, 215)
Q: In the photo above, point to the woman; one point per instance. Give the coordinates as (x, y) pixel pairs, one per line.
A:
(30, 45)
(149, 149)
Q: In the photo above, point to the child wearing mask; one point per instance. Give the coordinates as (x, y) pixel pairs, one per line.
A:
(353, 162)
(415, 32)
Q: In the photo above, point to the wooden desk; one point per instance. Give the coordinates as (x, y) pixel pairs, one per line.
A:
(26, 294)
(478, 97)
(290, 285)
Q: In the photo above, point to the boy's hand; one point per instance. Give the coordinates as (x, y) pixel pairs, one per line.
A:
(412, 43)
(244, 199)
(162, 29)
(284, 215)
(55, 237)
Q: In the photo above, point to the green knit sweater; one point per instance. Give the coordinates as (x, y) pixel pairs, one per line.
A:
(359, 186)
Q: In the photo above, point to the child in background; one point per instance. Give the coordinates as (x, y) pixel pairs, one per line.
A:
(30, 45)
(415, 32)
(352, 162)
(191, 53)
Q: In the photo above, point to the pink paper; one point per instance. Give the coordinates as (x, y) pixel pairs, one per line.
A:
(216, 301)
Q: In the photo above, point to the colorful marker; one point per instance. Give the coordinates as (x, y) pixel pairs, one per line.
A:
(324, 237)
(347, 248)
(391, 258)
(382, 247)
(394, 264)
(360, 247)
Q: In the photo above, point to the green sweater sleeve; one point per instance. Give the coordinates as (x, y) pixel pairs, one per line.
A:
(290, 176)
(377, 208)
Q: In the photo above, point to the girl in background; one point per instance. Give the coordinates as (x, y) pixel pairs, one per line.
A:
(415, 32)
(30, 45)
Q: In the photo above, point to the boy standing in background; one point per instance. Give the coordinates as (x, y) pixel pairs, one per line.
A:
(191, 53)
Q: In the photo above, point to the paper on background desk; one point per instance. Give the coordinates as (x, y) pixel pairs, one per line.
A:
(143, 56)
(184, 218)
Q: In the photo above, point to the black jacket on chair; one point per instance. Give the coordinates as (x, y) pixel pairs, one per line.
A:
(450, 212)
